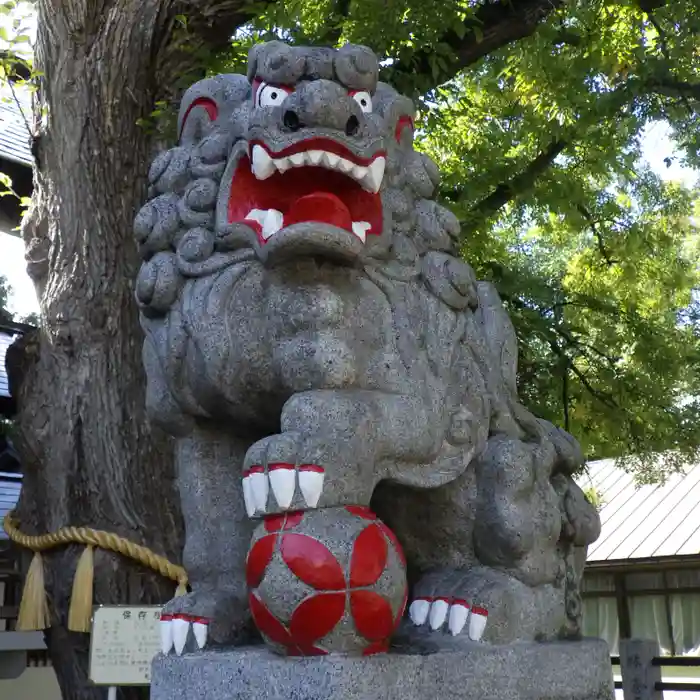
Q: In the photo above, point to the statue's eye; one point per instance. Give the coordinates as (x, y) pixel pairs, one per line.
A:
(270, 95)
(364, 99)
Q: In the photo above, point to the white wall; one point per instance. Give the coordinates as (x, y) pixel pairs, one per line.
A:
(22, 300)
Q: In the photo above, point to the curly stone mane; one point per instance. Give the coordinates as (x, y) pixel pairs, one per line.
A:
(450, 332)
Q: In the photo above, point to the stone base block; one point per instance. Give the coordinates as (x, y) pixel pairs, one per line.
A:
(551, 671)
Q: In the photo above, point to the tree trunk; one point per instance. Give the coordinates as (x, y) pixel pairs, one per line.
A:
(89, 455)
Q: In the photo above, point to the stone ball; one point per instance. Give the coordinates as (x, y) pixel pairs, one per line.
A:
(326, 581)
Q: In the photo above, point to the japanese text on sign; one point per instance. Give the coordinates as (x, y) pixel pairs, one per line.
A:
(124, 642)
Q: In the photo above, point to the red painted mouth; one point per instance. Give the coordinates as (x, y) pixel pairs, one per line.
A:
(316, 180)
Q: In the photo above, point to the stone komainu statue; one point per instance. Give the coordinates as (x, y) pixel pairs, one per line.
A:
(314, 343)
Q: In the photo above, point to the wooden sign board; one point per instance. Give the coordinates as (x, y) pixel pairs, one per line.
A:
(125, 638)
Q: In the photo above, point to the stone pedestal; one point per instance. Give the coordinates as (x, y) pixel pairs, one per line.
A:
(552, 671)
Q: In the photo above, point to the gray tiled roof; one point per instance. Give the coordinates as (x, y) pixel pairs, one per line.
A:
(14, 137)
(641, 522)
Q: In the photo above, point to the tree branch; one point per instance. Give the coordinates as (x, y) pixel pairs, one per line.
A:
(339, 15)
(583, 347)
(674, 88)
(515, 187)
(598, 236)
(520, 184)
(186, 46)
(494, 25)
(604, 398)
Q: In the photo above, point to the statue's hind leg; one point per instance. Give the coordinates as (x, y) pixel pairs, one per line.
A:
(218, 535)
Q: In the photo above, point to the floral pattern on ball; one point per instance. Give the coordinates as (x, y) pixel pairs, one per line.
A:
(326, 581)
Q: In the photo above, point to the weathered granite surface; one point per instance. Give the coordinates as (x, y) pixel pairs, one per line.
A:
(547, 671)
(315, 340)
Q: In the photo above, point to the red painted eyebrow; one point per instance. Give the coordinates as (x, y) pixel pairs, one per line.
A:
(257, 81)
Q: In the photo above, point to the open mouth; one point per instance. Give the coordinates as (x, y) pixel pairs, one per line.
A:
(314, 180)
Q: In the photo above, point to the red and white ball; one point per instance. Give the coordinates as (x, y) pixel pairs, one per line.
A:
(326, 581)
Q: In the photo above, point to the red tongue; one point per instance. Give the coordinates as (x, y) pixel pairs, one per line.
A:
(319, 206)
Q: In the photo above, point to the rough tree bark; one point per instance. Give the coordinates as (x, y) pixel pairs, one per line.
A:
(89, 455)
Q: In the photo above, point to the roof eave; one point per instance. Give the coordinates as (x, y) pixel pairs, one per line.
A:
(674, 561)
(18, 161)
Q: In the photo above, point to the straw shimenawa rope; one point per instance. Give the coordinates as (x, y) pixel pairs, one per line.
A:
(33, 611)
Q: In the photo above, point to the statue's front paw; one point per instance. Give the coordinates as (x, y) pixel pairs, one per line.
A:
(274, 479)
(456, 615)
(190, 622)
(290, 471)
(175, 631)
(179, 625)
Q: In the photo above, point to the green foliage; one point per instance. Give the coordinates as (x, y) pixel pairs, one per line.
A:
(539, 143)
(16, 77)
(594, 498)
(596, 258)
(540, 147)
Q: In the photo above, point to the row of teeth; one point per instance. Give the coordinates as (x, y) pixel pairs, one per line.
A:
(174, 630)
(437, 611)
(282, 479)
(272, 220)
(370, 177)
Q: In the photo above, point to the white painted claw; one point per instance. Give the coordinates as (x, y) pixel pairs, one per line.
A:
(311, 483)
(200, 630)
(438, 613)
(283, 482)
(166, 633)
(477, 623)
(459, 611)
(258, 488)
(180, 629)
(418, 611)
(248, 497)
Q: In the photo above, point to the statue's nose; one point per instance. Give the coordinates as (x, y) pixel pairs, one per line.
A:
(322, 103)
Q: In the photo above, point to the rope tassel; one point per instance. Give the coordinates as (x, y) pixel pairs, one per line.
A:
(34, 609)
(80, 611)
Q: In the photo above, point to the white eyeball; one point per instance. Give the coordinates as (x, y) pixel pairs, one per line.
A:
(364, 99)
(270, 95)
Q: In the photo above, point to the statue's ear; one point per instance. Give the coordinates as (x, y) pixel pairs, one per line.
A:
(404, 128)
(196, 118)
(206, 102)
(198, 112)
